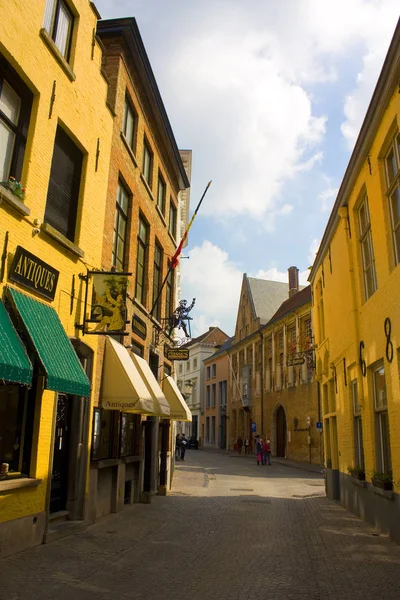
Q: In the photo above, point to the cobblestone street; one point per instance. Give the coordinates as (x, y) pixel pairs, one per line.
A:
(230, 530)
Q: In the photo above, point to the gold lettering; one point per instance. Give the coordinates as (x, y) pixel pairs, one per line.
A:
(25, 268)
(43, 277)
(51, 283)
(18, 267)
(32, 267)
(38, 274)
(46, 285)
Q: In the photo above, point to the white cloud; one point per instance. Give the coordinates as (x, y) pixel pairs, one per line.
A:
(313, 250)
(273, 274)
(327, 198)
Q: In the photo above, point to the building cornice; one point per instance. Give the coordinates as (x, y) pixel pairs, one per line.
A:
(387, 83)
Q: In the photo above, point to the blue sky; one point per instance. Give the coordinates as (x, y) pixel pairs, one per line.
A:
(270, 96)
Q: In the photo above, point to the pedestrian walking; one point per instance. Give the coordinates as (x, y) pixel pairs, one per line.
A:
(259, 450)
(240, 444)
(267, 453)
(183, 446)
(178, 446)
(246, 446)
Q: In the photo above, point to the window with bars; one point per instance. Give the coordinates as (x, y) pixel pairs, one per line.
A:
(141, 261)
(15, 109)
(392, 171)
(147, 166)
(120, 228)
(157, 279)
(367, 249)
(382, 436)
(169, 294)
(357, 422)
(161, 194)
(172, 218)
(129, 124)
(58, 22)
(63, 191)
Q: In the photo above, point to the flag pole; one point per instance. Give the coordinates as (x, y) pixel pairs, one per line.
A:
(174, 259)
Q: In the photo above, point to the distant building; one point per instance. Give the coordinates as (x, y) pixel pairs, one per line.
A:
(191, 376)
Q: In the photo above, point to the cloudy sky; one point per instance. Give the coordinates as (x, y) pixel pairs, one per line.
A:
(270, 96)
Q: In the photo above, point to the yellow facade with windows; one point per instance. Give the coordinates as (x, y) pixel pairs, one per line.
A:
(355, 281)
(50, 86)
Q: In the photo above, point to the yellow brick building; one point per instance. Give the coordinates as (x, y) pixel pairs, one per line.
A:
(55, 138)
(355, 281)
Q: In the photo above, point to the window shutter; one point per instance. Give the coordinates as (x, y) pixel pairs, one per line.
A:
(63, 191)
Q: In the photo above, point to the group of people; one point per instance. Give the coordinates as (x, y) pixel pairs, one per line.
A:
(241, 443)
(263, 450)
(180, 446)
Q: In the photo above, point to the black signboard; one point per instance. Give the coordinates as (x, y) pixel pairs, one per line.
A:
(28, 270)
(139, 327)
(177, 353)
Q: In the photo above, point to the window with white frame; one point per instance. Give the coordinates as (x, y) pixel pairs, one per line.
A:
(358, 435)
(392, 171)
(58, 22)
(367, 249)
(382, 436)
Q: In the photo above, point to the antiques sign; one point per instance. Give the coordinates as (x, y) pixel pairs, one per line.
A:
(28, 270)
(139, 327)
(108, 308)
(177, 353)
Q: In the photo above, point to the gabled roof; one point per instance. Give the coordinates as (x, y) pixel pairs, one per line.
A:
(213, 337)
(291, 304)
(267, 296)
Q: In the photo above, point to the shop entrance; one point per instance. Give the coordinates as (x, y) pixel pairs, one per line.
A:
(281, 432)
(59, 477)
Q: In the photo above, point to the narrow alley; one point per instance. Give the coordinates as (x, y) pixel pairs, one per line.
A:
(229, 529)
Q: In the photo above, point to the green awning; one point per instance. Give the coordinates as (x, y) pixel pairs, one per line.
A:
(64, 372)
(15, 366)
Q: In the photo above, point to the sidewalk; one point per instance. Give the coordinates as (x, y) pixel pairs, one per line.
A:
(304, 466)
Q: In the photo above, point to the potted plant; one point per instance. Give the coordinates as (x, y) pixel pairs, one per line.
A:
(15, 187)
(357, 473)
(382, 480)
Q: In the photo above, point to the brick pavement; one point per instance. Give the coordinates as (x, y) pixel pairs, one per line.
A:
(231, 530)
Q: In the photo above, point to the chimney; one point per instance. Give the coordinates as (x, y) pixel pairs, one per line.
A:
(293, 281)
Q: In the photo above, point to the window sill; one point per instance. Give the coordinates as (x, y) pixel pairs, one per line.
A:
(17, 483)
(131, 459)
(129, 149)
(358, 482)
(146, 185)
(57, 54)
(104, 463)
(388, 494)
(140, 306)
(61, 239)
(161, 216)
(13, 201)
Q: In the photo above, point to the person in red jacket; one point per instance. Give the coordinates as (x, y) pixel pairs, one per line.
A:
(267, 453)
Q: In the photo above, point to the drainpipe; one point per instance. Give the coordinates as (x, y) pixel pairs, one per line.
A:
(262, 382)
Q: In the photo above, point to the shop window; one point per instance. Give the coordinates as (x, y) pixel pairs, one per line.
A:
(157, 279)
(129, 124)
(358, 435)
(120, 229)
(63, 191)
(147, 166)
(172, 218)
(214, 395)
(141, 261)
(15, 109)
(16, 427)
(115, 434)
(137, 348)
(392, 168)
(367, 249)
(130, 435)
(58, 22)
(161, 193)
(382, 436)
(208, 392)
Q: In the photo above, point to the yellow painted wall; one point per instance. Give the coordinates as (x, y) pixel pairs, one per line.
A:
(349, 318)
(80, 107)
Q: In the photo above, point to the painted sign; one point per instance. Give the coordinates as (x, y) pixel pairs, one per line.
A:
(296, 359)
(33, 273)
(108, 307)
(139, 327)
(177, 353)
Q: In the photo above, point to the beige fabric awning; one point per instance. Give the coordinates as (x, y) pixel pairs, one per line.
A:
(123, 387)
(160, 404)
(179, 409)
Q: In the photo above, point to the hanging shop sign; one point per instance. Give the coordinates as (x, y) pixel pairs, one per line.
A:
(176, 353)
(139, 327)
(296, 359)
(107, 310)
(28, 270)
